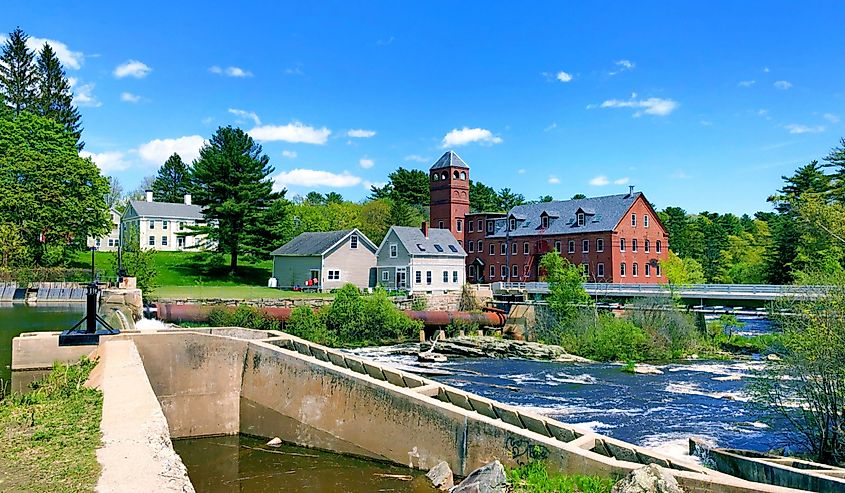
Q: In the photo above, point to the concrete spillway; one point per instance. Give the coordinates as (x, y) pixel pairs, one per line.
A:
(230, 380)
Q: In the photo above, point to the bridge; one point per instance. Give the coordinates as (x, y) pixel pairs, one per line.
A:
(733, 293)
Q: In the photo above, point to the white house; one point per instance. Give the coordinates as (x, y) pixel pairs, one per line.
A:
(162, 226)
(420, 260)
(110, 242)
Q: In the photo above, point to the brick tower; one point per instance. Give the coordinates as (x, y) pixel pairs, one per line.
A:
(449, 187)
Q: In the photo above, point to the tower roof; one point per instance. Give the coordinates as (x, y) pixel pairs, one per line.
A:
(450, 160)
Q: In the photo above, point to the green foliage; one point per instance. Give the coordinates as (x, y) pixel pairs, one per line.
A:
(419, 303)
(566, 286)
(508, 200)
(308, 324)
(49, 436)
(54, 98)
(246, 316)
(173, 180)
(139, 263)
(482, 198)
(681, 272)
(18, 74)
(469, 301)
(13, 249)
(671, 333)
(612, 339)
(535, 478)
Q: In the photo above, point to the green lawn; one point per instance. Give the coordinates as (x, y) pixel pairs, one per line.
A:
(229, 293)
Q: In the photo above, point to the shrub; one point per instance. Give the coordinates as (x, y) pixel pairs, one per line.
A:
(246, 316)
(419, 303)
(384, 322)
(534, 478)
(308, 324)
(345, 316)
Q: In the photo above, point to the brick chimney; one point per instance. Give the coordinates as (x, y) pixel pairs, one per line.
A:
(187, 199)
(149, 195)
(424, 229)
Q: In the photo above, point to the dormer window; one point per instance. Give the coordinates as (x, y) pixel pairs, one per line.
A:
(581, 219)
(512, 224)
(544, 221)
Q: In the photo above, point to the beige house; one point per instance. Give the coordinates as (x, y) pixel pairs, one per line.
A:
(333, 258)
(423, 259)
(110, 242)
(162, 226)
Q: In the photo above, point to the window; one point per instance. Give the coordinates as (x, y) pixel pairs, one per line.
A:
(471, 246)
(599, 245)
(353, 242)
(621, 244)
(504, 271)
(463, 175)
(490, 226)
(514, 270)
(581, 219)
(659, 247)
(440, 224)
(492, 249)
(97, 242)
(585, 246)
(557, 246)
(470, 226)
(492, 272)
(435, 177)
(152, 224)
(599, 270)
(480, 247)
(504, 248)
(657, 270)
(454, 249)
(459, 224)
(645, 220)
(445, 276)
(418, 276)
(648, 270)
(438, 247)
(635, 269)
(634, 245)
(421, 247)
(152, 241)
(622, 269)
(164, 224)
(111, 242)
(513, 248)
(334, 275)
(585, 269)
(480, 225)
(512, 224)
(455, 175)
(647, 246)
(180, 241)
(634, 220)
(394, 250)
(544, 221)
(472, 271)
(163, 241)
(385, 275)
(428, 277)
(571, 246)
(181, 225)
(455, 276)
(526, 249)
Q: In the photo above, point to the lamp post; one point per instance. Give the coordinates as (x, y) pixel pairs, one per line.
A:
(75, 336)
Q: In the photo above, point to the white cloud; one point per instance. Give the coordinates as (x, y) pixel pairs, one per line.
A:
(69, 58)
(746, 83)
(831, 117)
(83, 94)
(132, 68)
(128, 97)
(521, 171)
(599, 181)
(623, 66)
(366, 163)
(680, 175)
(158, 150)
(554, 180)
(296, 70)
(782, 85)
(563, 76)
(621, 181)
(107, 161)
(315, 178)
(289, 154)
(550, 127)
(766, 70)
(294, 132)
(650, 106)
(417, 158)
(230, 71)
(795, 128)
(245, 115)
(468, 135)
(360, 133)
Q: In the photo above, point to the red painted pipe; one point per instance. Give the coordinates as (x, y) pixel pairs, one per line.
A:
(490, 317)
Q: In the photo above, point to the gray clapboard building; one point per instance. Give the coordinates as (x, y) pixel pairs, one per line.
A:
(334, 258)
(420, 260)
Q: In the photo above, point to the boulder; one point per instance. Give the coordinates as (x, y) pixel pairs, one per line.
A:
(441, 476)
(275, 442)
(649, 479)
(642, 369)
(489, 478)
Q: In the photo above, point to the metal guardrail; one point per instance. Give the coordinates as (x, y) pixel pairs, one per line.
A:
(717, 291)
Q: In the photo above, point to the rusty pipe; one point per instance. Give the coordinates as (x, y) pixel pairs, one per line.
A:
(176, 313)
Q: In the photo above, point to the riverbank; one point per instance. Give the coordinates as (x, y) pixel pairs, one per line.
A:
(49, 436)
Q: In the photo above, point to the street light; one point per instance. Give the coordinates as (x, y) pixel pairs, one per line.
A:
(90, 335)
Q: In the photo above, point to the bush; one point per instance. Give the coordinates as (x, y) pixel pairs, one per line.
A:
(615, 339)
(246, 316)
(384, 322)
(534, 478)
(308, 324)
(419, 304)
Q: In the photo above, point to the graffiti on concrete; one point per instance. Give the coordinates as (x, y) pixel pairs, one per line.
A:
(523, 451)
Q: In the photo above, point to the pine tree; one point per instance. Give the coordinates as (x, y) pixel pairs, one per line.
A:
(172, 181)
(836, 160)
(54, 98)
(230, 179)
(18, 75)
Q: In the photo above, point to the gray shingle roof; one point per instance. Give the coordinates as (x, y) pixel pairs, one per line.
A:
(417, 244)
(449, 159)
(166, 209)
(312, 243)
(608, 211)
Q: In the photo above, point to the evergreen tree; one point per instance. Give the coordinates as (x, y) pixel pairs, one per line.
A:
(231, 180)
(508, 200)
(54, 98)
(836, 160)
(482, 198)
(18, 75)
(409, 186)
(172, 181)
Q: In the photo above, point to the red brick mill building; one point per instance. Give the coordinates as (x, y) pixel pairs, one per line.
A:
(615, 238)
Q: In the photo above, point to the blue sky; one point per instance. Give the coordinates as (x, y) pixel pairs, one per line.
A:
(702, 105)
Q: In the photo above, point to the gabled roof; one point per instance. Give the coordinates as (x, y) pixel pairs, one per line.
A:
(604, 213)
(417, 244)
(318, 243)
(449, 159)
(166, 209)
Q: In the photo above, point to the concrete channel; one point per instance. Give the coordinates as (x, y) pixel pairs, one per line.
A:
(223, 381)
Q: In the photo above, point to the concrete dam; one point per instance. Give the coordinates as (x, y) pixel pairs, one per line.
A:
(224, 381)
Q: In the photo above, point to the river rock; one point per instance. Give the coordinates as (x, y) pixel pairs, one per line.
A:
(493, 347)
(649, 479)
(773, 357)
(642, 369)
(275, 442)
(489, 478)
(441, 476)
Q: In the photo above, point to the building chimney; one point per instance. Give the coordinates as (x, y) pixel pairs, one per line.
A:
(630, 190)
(424, 229)
(149, 195)
(187, 199)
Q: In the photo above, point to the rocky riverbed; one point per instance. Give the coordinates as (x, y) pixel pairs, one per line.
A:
(491, 347)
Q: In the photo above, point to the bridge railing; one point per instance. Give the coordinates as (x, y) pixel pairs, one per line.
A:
(766, 291)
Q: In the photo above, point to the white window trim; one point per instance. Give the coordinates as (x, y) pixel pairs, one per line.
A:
(393, 250)
(600, 269)
(585, 246)
(353, 242)
(385, 275)
(599, 245)
(337, 277)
